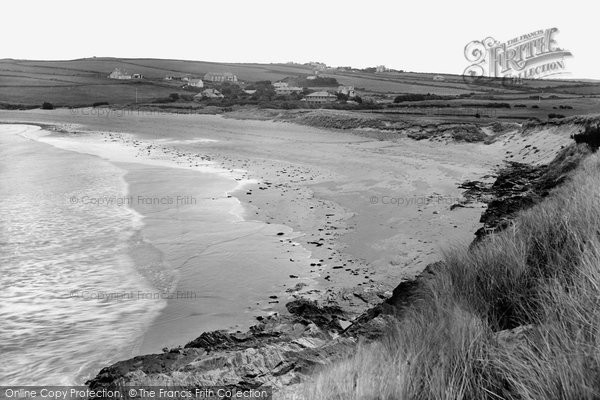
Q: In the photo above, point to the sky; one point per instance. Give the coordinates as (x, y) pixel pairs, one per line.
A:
(418, 35)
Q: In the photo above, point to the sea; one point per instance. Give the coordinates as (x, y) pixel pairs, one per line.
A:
(103, 259)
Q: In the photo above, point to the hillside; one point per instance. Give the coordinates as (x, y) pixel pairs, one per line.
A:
(84, 81)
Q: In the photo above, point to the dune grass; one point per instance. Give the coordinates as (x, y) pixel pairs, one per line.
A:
(540, 278)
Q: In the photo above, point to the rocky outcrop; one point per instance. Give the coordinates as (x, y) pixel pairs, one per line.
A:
(278, 351)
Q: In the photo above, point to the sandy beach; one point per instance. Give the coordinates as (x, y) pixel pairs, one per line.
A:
(336, 216)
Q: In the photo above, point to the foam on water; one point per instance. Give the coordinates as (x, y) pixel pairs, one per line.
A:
(63, 265)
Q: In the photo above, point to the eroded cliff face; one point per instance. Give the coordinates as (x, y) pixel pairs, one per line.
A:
(281, 351)
(520, 185)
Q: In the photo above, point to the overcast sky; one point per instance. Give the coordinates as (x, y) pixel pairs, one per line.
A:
(420, 35)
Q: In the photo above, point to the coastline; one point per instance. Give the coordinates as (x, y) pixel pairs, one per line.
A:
(196, 297)
(430, 178)
(330, 209)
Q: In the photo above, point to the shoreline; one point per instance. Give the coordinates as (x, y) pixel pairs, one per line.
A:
(137, 173)
(262, 172)
(321, 202)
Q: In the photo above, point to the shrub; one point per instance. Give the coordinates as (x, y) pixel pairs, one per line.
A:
(486, 105)
(419, 97)
(590, 135)
(554, 115)
(47, 106)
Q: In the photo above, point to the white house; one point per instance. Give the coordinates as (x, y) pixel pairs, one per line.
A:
(119, 74)
(280, 84)
(320, 97)
(439, 78)
(347, 90)
(195, 83)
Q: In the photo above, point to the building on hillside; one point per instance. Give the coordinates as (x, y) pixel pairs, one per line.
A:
(220, 77)
(317, 65)
(209, 94)
(137, 76)
(119, 74)
(380, 68)
(287, 90)
(320, 97)
(169, 78)
(195, 83)
(439, 78)
(311, 77)
(347, 90)
(280, 84)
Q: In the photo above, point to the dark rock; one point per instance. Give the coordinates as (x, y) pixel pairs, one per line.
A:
(277, 351)
(323, 317)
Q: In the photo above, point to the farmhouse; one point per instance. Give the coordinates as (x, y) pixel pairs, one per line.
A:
(439, 78)
(320, 97)
(119, 74)
(317, 65)
(195, 83)
(347, 90)
(220, 77)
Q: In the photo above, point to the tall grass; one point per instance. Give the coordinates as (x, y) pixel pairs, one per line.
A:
(540, 276)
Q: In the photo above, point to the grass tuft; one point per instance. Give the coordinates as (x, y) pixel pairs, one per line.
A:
(515, 317)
